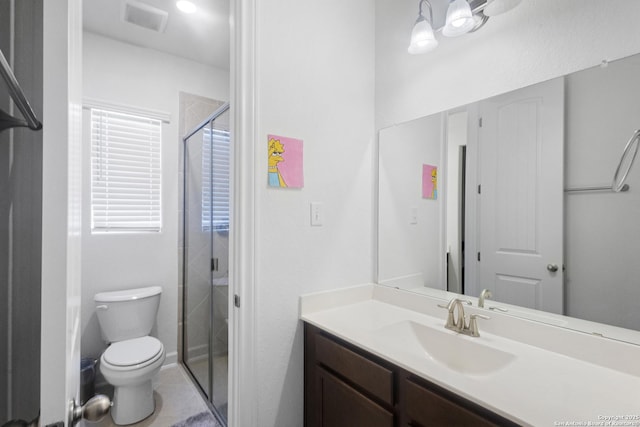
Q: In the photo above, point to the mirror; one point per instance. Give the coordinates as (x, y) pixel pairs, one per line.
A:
(514, 209)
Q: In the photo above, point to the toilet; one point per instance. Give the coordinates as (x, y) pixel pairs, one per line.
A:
(133, 357)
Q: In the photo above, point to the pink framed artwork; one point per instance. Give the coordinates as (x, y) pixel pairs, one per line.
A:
(429, 182)
(285, 162)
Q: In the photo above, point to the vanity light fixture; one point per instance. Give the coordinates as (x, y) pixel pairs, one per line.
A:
(186, 6)
(462, 17)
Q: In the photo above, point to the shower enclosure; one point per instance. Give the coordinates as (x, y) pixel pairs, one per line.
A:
(206, 258)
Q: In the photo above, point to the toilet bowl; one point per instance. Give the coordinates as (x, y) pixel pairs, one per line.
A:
(130, 366)
(133, 358)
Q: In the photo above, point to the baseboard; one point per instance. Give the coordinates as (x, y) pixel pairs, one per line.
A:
(171, 358)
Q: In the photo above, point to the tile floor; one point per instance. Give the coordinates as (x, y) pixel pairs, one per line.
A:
(200, 369)
(176, 400)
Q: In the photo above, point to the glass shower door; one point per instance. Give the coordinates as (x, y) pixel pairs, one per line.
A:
(197, 264)
(206, 258)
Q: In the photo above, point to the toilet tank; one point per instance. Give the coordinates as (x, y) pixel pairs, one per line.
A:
(127, 314)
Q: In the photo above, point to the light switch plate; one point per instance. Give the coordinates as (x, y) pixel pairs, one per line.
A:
(413, 215)
(317, 214)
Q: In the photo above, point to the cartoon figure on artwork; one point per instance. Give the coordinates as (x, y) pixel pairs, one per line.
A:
(275, 156)
(434, 179)
(429, 182)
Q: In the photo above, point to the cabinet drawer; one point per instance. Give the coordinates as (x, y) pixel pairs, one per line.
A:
(368, 375)
(426, 408)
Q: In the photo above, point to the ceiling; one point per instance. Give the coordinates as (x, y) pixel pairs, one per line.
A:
(202, 36)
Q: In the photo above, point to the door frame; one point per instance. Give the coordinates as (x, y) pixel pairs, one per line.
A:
(243, 401)
(61, 268)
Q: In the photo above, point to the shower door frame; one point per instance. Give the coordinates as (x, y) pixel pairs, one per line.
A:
(207, 397)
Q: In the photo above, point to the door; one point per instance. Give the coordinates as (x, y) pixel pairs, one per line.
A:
(343, 406)
(521, 196)
(61, 193)
(40, 215)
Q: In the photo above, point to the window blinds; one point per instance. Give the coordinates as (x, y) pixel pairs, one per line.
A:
(215, 179)
(125, 172)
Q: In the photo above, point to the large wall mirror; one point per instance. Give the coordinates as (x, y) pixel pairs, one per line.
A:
(513, 194)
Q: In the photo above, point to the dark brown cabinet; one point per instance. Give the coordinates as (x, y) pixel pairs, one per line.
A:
(343, 406)
(346, 386)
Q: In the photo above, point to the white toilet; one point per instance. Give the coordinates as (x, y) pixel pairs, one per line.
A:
(133, 357)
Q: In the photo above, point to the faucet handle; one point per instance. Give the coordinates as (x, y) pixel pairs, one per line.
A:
(473, 324)
(449, 306)
(482, 316)
(494, 308)
(450, 322)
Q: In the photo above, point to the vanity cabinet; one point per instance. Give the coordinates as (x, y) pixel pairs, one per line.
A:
(346, 386)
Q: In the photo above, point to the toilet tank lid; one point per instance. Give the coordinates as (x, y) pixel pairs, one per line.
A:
(127, 294)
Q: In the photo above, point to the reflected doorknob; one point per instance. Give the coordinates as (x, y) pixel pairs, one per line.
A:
(552, 267)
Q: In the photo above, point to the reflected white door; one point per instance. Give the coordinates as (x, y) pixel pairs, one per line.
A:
(521, 197)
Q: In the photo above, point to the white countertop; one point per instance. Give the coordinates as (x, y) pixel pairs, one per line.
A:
(557, 375)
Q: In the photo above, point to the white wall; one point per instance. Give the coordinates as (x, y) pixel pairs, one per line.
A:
(410, 249)
(602, 229)
(124, 74)
(315, 68)
(538, 40)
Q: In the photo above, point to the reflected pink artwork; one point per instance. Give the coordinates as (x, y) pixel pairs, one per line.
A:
(429, 182)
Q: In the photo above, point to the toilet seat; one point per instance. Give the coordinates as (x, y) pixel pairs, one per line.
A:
(133, 354)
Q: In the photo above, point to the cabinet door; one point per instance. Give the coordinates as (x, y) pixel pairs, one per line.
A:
(342, 406)
(425, 407)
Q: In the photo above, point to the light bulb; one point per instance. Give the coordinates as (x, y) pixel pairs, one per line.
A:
(422, 38)
(186, 6)
(459, 19)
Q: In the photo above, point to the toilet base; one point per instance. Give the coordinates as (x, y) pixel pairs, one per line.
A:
(132, 403)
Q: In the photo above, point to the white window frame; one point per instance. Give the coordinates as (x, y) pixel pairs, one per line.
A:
(126, 170)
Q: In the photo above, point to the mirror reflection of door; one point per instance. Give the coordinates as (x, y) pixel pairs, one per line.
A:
(521, 198)
(456, 144)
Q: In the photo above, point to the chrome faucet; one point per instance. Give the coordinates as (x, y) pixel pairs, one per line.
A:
(459, 323)
(485, 294)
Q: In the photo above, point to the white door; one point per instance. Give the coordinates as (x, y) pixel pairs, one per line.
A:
(521, 196)
(61, 191)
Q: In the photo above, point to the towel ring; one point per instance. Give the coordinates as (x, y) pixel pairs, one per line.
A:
(631, 147)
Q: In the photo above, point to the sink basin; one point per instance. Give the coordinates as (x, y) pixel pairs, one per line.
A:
(460, 353)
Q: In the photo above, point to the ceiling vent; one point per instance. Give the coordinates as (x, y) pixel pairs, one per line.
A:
(144, 15)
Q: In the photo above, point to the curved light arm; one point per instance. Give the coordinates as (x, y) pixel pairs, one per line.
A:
(631, 147)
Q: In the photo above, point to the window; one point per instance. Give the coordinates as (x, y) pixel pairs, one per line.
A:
(125, 172)
(215, 180)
